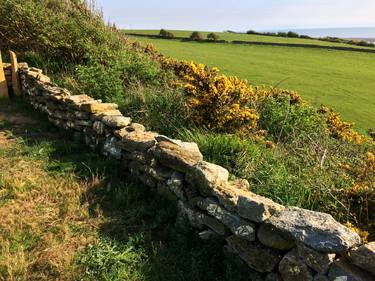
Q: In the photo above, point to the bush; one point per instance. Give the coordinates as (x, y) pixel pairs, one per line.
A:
(166, 34)
(213, 36)
(196, 36)
(285, 121)
(282, 34)
(65, 31)
(293, 34)
(251, 32)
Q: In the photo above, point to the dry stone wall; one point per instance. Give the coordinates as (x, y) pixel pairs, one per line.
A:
(279, 243)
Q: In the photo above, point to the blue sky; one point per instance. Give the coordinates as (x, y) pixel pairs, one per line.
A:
(240, 15)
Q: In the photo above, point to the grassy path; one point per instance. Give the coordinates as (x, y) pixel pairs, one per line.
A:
(68, 214)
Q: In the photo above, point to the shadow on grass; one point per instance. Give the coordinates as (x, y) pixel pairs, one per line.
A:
(137, 238)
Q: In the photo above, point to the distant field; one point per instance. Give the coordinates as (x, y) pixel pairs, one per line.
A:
(343, 80)
(253, 38)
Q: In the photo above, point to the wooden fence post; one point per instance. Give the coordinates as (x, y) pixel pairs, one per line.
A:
(15, 77)
(3, 81)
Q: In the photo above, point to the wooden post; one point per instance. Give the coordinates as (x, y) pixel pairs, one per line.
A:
(15, 77)
(3, 81)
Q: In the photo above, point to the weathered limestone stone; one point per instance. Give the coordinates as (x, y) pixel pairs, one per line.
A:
(292, 268)
(341, 270)
(135, 156)
(257, 256)
(364, 257)
(116, 121)
(207, 235)
(136, 168)
(121, 133)
(179, 157)
(111, 147)
(140, 141)
(214, 224)
(98, 127)
(228, 195)
(81, 115)
(199, 220)
(273, 238)
(135, 127)
(163, 190)
(82, 123)
(78, 99)
(256, 208)
(205, 176)
(273, 277)
(101, 114)
(320, 277)
(238, 227)
(318, 231)
(320, 262)
(159, 172)
(176, 184)
(147, 180)
(98, 107)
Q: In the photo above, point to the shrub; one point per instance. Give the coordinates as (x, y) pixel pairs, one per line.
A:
(213, 36)
(66, 31)
(293, 34)
(285, 120)
(196, 36)
(166, 34)
(282, 34)
(251, 32)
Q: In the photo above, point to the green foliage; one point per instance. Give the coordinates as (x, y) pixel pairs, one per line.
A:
(110, 260)
(196, 36)
(290, 68)
(67, 31)
(101, 82)
(213, 36)
(282, 34)
(293, 34)
(284, 121)
(166, 34)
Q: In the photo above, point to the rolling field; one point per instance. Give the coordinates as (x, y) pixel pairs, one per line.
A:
(343, 80)
(253, 38)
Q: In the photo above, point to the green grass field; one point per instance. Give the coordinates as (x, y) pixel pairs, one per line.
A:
(343, 80)
(252, 38)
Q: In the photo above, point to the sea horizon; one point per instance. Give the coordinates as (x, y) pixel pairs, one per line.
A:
(341, 32)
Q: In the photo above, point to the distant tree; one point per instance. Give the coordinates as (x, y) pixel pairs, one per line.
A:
(304, 37)
(212, 36)
(196, 36)
(282, 34)
(165, 34)
(293, 34)
(251, 32)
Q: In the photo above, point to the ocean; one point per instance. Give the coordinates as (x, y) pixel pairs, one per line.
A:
(351, 32)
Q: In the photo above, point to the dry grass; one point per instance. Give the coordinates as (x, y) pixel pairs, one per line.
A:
(43, 222)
